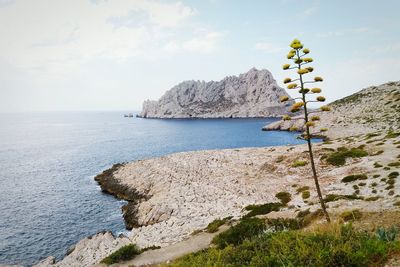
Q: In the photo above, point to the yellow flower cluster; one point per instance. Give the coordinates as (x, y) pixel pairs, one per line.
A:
(310, 69)
(286, 118)
(292, 86)
(305, 91)
(323, 129)
(284, 98)
(320, 98)
(307, 59)
(316, 90)
(315, 118)
(325, 108)
(296, 44)
(293, 129)
(318, 79)
(286, 66)
(310, 124)
(302, 71)
(287, 80)
(306, 50)
(297, 105)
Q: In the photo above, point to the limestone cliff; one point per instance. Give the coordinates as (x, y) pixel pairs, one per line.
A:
(252, 94)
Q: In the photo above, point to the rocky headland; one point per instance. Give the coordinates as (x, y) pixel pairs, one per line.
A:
(172, 197)
(251, 94)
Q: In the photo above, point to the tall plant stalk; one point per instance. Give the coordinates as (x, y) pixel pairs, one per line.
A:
(297, 55)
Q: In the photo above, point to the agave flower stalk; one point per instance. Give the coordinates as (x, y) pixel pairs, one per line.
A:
(297, 55)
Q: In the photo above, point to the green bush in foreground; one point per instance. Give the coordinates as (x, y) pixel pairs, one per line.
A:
(246, 228)
(213, 226)
(337, 246)
(123, 254)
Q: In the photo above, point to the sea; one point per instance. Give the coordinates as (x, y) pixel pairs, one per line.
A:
(48, 197)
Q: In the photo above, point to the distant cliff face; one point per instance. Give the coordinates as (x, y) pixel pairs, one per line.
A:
(252, 94)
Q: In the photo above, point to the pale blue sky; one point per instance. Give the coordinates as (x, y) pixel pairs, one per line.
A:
(58, 55)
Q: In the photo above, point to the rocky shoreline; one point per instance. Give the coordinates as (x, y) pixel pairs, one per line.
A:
(112, 186)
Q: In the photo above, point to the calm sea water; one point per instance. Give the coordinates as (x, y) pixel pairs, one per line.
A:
(48, 198)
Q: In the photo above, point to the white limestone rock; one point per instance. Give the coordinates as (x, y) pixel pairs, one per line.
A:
(252, 94)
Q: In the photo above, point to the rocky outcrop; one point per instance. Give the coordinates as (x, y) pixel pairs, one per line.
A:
(112, 186)
(89, 251)
(371, 109)
(252, 94)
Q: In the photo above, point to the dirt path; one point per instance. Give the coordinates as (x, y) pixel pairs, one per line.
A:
(172, 252)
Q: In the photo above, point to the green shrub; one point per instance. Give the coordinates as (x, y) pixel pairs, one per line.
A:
(361, 184)
(284, 197)
(213, 226)
(123, 254)
(393, 175)
(334, 197)
(305, 194)
(387, 235)
(332, 247)
(377, 165)
(397, 204)
(299, 163)
(262, 209)
(372, 198)
(394, 164)
(355, 177)
(245, 229)
(351, 215)
(376, 175)
(283, 224)
(338, 158)
(392, 134)
(303, 188)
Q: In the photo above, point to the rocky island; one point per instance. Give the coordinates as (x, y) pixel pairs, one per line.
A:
(251, 94)
(172, 199)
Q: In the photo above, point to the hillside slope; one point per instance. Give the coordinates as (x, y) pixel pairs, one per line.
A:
(371, 109)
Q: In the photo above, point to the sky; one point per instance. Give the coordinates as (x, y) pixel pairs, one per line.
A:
(103, 55)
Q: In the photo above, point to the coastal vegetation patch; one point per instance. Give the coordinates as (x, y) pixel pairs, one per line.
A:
(331, 245)
(284, 197)
(354, 177)
(125, 253)
(262, 209)
(338, 158)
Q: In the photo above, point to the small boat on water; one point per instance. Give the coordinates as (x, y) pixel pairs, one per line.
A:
(130, 115)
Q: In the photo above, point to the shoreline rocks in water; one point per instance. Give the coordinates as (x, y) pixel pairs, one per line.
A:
(254, 94)
(110, 185)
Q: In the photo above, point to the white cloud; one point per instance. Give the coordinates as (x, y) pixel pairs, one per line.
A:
(205, 42)
(57, 34)
(343, 32)
(269, 47)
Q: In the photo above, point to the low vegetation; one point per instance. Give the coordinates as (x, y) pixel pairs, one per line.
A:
(332, 245)
(284, 197)
(355, 177)
(334, 197)
(338, 158)
(299, 163)
(123, 254)
(351, 215)
(262, 209)
(213, 226)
